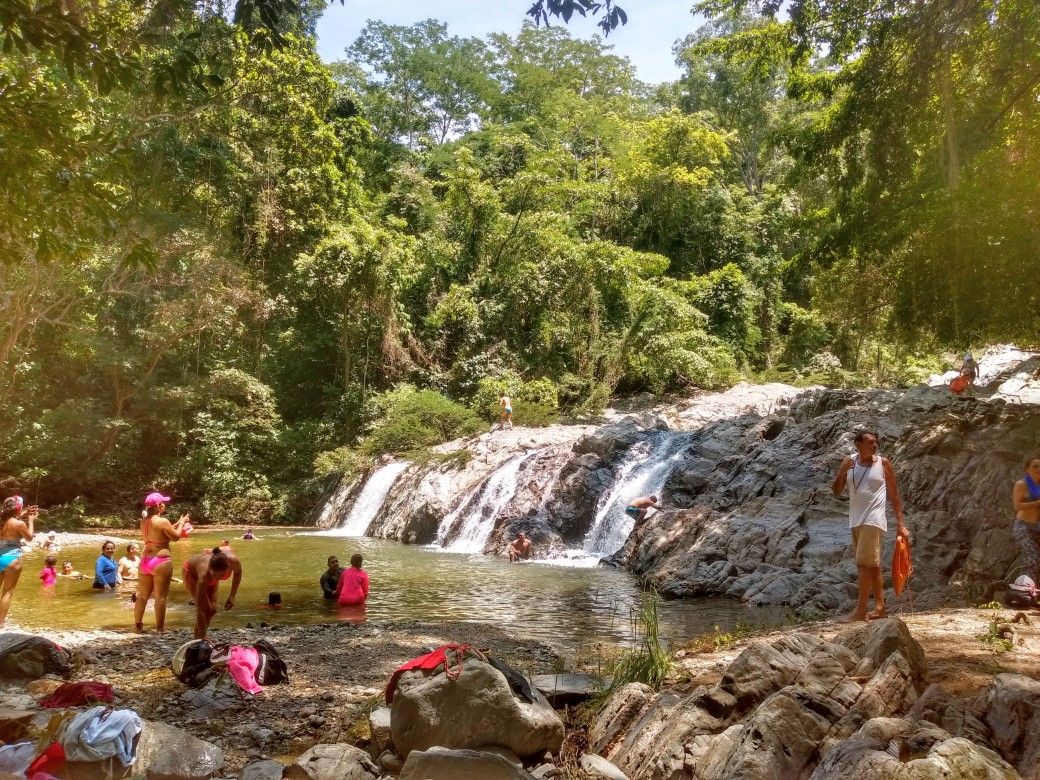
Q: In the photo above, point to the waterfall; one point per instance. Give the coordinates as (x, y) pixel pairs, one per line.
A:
(644, 470)
(369, 501)
(470, 524)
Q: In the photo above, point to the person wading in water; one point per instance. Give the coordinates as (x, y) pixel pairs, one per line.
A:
(1026, 528)
(13, 531)
(156, 567)
(871, 481)
(202, 574)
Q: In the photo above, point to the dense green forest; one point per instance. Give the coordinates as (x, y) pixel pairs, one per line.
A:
(230, 269)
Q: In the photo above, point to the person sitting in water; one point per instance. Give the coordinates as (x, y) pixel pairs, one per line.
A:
(68, 571)
(49, 574)
(640, 507)
(274, 601)
(50, 542)
(226, 546)
(352, 589)
(330, 578)
(519, 548)
(249, 536)
(129, 563)
(202, 574)
(17, 527)
(106, 571)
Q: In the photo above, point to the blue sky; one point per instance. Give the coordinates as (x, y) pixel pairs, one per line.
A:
(653, 26)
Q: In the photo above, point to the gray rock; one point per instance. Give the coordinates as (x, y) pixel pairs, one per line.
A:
(878, 639)
(459, 764)
(618, 714)
(1010, 707)
(476, 709)
(897, 749)
(379, 728)
(546, 772)
(599, 767)
(390, 762)
(262, 770)
(562, 690)
(333, 762)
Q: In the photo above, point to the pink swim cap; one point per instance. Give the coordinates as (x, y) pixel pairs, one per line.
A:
(154, 499)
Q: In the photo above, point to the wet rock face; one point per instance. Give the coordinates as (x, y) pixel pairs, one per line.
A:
(763, 526)
(802, 706)
(475, 710)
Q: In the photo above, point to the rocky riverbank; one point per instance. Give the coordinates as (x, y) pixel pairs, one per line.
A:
(787, 703)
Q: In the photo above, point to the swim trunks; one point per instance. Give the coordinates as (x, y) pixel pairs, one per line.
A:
(509, 410)
(633, 511)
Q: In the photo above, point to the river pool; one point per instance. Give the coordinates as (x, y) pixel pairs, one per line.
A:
(565, 606)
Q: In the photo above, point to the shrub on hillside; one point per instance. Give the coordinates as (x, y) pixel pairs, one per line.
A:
(535, 402)
(410, 419)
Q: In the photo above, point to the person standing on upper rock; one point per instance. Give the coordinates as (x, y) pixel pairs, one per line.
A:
(871, 482)
(1026, 528)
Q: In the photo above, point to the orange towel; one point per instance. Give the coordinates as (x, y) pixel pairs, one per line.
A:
(902, 565)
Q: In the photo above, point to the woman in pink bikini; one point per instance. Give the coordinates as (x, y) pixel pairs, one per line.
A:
(156, 569)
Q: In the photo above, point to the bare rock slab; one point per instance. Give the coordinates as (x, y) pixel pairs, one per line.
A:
(460, 764)
(564, 690)
(333, 762)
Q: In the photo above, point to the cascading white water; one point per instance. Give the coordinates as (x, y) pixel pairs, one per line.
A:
(644, 471)
(469, 525)
(368, 503)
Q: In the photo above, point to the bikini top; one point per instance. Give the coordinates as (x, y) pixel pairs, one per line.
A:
(161, 544)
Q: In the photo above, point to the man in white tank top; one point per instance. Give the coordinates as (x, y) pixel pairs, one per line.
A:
(871, 483)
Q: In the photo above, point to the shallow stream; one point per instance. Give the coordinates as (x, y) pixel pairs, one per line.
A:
(567, 607)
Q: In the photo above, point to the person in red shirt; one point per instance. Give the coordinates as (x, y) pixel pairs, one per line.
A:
(353, 584)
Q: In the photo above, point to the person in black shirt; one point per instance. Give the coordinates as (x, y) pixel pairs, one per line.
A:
(330, 579)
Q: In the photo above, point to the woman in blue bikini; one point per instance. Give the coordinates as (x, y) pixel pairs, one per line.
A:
(1026, 529)
(12, 532)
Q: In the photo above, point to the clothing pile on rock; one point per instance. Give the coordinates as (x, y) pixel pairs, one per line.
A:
(250, 667)
(97, 734)
(1022, 593)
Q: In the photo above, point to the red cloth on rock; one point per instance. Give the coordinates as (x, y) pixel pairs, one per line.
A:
(76, 694)
(429, 662)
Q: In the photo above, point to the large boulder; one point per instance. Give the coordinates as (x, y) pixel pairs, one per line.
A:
(1010, 707)
(476, 709)
(898, 749)
(27, 657)
(164, 752)
(333, 762)
(443, 764)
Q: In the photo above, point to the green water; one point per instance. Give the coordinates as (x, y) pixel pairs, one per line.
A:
(565, 606)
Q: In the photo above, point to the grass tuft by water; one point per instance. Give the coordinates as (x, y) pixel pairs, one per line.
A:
(649, 662)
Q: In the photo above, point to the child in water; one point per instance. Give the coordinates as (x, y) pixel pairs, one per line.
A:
(49, 574)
